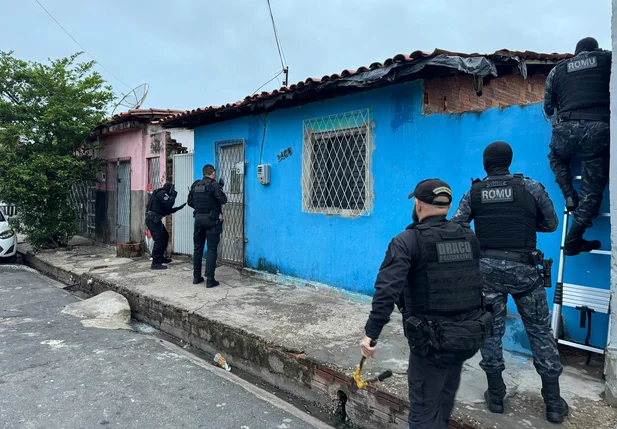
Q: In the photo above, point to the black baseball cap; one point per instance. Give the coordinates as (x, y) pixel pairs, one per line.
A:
(429, 189)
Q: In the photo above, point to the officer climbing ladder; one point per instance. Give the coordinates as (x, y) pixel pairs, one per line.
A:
(577, 102)
(587, 300)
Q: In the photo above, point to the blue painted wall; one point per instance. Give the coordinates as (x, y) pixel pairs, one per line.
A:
(408, 147)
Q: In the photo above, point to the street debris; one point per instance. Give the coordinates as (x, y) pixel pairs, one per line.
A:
(220, 361)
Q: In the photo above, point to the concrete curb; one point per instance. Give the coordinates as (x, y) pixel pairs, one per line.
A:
(288, 370)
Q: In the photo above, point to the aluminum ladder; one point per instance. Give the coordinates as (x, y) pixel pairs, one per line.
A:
(586, 299)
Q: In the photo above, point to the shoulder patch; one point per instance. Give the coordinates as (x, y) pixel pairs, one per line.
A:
(166, 197)
(578, 64)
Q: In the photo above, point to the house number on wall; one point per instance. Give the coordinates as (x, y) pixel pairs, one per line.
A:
(285, 154)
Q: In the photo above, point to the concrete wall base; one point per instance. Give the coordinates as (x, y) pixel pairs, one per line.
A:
(288, 370)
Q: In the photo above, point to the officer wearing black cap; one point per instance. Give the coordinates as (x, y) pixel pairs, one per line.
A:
(431, 272)
(207, 198)
(508, 210)
(577, 101)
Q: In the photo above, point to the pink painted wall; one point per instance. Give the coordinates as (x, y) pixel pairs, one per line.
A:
(136, 145)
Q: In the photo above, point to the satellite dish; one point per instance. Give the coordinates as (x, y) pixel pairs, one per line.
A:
(134, 99)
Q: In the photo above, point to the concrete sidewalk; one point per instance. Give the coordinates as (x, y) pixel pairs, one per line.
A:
(304, 338)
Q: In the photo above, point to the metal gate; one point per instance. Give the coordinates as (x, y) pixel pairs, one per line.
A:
(182, 225)
(123, 193)
(8, 210)
(230, 166)
(83, 199)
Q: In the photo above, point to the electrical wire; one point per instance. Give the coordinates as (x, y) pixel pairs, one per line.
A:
(263, 137)
(275, 76)
(276, 37)
(79, 44)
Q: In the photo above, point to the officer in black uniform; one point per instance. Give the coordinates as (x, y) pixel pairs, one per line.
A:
(508, 210)
(160, 205)
(207, 197)
(431, 272)
(577, 101)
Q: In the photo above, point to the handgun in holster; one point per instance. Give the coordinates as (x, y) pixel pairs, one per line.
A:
(547, 265)
(417, 332)
(486, 320)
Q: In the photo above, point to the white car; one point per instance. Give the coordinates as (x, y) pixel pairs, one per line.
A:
(8, 240)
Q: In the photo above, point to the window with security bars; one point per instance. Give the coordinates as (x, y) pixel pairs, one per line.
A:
(235, 187)
(154, 173)
(336, 164)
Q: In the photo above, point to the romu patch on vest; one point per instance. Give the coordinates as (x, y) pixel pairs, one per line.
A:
(454, 251)
(576, 65)
(497, 195)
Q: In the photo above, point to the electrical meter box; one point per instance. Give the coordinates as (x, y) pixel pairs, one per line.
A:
(263, 174)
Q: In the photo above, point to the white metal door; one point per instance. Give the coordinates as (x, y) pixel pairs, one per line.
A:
(182, 224)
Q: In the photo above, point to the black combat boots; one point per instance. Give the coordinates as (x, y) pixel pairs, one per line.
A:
(495, 393)
(556, 407)
(575, 243)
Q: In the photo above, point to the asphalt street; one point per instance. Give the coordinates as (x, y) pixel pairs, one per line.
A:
(57, 374)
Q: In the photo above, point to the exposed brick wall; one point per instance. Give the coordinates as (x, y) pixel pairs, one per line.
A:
(455, 94)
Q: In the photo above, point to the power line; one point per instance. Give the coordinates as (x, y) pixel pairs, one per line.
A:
(275, 76)
(278, 46)
(79, 44)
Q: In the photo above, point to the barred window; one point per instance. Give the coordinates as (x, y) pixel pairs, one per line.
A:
(236, 181)
(154, 173)
(336, 164)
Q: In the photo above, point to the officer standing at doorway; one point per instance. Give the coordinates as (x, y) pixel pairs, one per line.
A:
(431, 272)
(207, 198)
(577, 93)
(507, 211)
(160, 205)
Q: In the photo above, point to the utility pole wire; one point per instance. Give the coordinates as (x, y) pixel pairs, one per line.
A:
(278, 46)
(79, 44)
(275, 76)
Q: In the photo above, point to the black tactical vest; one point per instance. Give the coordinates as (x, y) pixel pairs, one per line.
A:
(447, 279)
(582, 84)
(203, 197)
(504, 214)
(155, 203)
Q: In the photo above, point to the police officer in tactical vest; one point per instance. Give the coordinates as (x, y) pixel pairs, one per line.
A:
(508, 210)
(160, 205)
(431, 272)
(577, 100)
(207, 197)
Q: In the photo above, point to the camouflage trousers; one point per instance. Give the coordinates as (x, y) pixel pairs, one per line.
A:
(591, 140)
(525, 284)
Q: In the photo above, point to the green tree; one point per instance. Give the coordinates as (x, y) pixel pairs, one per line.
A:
(47, 113)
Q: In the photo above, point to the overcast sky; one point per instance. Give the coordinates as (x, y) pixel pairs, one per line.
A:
(196, 53)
